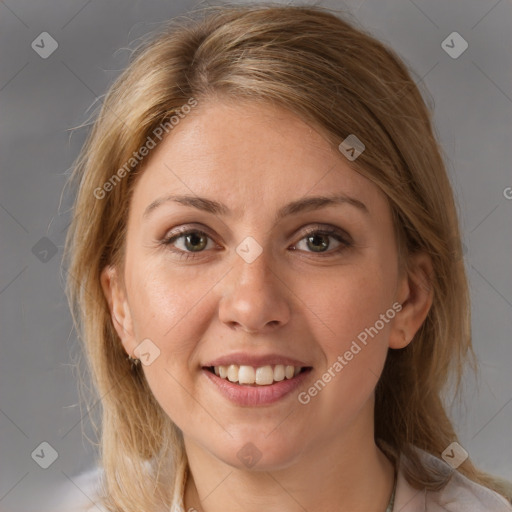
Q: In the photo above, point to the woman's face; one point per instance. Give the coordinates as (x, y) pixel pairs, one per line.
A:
(267, 277)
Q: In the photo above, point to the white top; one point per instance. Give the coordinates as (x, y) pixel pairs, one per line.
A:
(459, 495)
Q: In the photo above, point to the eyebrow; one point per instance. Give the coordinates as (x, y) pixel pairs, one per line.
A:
(301, 205)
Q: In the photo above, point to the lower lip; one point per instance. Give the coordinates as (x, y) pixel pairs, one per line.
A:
(256, 395)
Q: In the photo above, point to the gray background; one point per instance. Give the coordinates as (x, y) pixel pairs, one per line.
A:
(42, 99)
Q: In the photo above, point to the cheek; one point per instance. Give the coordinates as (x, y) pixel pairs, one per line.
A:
(169, 305)
(347, 303)
(356, 310)
(345, 319)
(169, 308)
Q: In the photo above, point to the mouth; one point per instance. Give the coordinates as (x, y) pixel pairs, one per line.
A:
(251, 386)
(267, 375)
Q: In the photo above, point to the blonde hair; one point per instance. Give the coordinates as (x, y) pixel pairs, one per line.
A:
(339, 78)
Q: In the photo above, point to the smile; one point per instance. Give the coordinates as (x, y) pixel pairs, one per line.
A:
(255, 386)
(259, 376)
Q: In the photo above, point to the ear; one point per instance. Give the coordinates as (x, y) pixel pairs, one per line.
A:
(115, 295)
(415, 294)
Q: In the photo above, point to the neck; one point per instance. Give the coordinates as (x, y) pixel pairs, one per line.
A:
(349, 475)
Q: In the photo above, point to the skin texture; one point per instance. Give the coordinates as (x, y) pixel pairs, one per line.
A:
(292, 300)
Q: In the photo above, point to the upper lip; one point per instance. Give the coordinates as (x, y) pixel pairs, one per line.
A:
(244, 359)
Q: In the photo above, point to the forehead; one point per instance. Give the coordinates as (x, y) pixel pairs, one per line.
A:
(247, 153)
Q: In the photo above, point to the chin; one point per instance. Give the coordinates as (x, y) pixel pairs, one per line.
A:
(260, 451)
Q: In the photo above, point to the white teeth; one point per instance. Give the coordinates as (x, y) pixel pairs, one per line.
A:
(279, 372)
(233, 373)
(246, 375)
(264, 375)
(261, 376)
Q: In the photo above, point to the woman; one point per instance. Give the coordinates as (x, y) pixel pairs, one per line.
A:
(264, 264)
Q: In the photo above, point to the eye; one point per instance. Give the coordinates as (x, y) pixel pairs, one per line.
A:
(188, 241)
(318, 241)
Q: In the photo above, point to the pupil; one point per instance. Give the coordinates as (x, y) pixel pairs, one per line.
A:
(324, 244)
(194, 237)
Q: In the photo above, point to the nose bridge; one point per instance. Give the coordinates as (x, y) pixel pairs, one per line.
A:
(254, 297)
(254, 262)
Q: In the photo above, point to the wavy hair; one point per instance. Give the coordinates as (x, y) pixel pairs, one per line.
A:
(332, 74)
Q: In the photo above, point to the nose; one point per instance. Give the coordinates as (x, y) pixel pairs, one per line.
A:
(255, 298)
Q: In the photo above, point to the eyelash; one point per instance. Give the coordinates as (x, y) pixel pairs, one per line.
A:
(329, 231)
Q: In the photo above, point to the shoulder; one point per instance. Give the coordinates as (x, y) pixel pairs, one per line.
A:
(463, 495)
(80, 493)
(460, 494)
